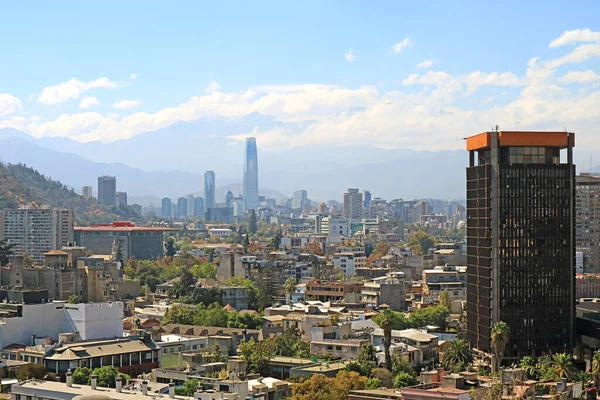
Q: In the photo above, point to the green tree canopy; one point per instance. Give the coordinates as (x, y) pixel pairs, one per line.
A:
(458, 356)
(365, 361)
(445, 299)
(420, 241)
(320, 387)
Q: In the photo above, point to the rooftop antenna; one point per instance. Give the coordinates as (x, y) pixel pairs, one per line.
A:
(497, 127)
(518, 126)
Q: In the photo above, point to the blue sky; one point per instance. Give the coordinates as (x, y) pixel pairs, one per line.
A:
(178, 49)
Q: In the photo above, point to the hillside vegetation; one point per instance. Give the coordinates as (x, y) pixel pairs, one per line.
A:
(24, 186)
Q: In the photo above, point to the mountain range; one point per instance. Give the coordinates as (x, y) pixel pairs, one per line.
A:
(171, 162)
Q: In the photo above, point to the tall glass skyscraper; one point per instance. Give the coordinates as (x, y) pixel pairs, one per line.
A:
(209, 190)
(251, 175)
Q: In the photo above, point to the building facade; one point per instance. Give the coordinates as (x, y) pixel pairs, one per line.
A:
(166, 208)
(36, 231)
(107, 190)
(182, 207)
(121, 199)
(587, 220)
(520, 240)
(199, 207)
(353, 204)
(251, 175)
(209, 190)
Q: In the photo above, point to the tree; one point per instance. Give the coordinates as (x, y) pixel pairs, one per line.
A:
(458, 356)
(398, 321)
(445, 299)
(365, 361)
(596, 367)
(384, 376)
(529, 364)
(28, 261)
(246, 243)
(119, 252)
(205, 270)
(73, 299)
(419, 242)
(252, 224)
(381, 249)
(562, 363)
(320, 387)
(107, 375)
(276, 241)
(189, 388)
(290, 344)
(6, 249)
(179, 315)
(437, 315)
(28, 371)
(385, 321)
(290, 287)
(404, 379)
(170, 246)
(314, 248)
(500, 337)
(258, 354)
(251, 290)
(81, 376)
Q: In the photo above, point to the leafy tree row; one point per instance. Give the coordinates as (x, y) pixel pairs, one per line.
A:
(213, 315)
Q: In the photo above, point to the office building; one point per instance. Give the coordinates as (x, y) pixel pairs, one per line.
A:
(199, 207)
(107, 190)
(353, 204)
(229, 199)
(86, 192)
(167, 207)
(220, 214)
(141, 242)
(182, 207)
(36, 231)
(520, 241)
(209, 190)
(587, 220)
(366, 199)
(190, 205)
(300, 200)
(251, 175)
(121, 199)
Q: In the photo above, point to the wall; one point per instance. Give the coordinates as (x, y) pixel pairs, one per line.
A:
(146, 247)
(393, 294)
(90, 320)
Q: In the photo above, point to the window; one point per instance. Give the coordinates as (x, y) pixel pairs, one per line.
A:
(354, 349)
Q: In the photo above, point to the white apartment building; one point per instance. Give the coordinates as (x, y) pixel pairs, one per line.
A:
(36, 231)
(348, 261)
(220, 232)
(336, 228)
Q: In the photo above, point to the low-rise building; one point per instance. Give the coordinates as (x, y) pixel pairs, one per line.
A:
(426, 343)
(173, 343)
(235, 296)
(447, 277)
(389, 289)
(221, 232)
(345, 349)
(330, 291)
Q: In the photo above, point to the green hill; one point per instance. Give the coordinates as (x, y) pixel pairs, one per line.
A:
(24, 186)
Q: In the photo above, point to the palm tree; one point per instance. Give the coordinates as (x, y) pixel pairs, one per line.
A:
(596, 367)
(290, 287)
(562, 363)
(500, 337)
(458, 356)
(385, 321)
(529, 364)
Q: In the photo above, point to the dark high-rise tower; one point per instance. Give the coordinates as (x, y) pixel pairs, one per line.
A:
(520, 240)
(107, 190)
(209, 190)
(251, 175)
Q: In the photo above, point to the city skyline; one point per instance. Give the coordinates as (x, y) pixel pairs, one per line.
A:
(250, 175)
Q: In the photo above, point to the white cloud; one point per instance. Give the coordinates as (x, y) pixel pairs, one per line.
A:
(398, 47)
(88, 102)
(350, 55)
(72, 89)
(576, 36)
(428, 116)
(425, 64)
(125, 104)
(582, 77)
(212, 88)
(134, 76)
(9, 104)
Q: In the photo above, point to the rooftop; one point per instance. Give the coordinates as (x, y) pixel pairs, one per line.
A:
(520, 138)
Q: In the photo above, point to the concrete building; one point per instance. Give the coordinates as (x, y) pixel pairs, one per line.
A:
(190, 202)
(143, 243)
(337, 229)
(36, 231)
(345, 349)
(520, 241)
(220, 214)
(173, 343)
(166, 208)
(300, 200)
(86, 192)
(389, 289)
(426, 343)
(209, 190)
(24, 322)
(446, 277)
(348, 261)
(330, 291)
(121, 199)
(235, 296)
(250, 175)
(220, 232)
(587, 220)
(353, 204)
(199, 207)
(366, 199)
(107, 190)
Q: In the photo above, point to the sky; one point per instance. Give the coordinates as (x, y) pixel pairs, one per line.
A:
(411, 74)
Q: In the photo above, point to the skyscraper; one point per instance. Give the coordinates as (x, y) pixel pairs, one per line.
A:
(587, 235)
(209, 190)
(86, 192)
(520, 241)
(353, 204)
(251, 175)
(107, 190)
(366, 199)
(167, 207)
(182, 207)
(190, 205)
(300, 200)
(121, 199)
(199, 207)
